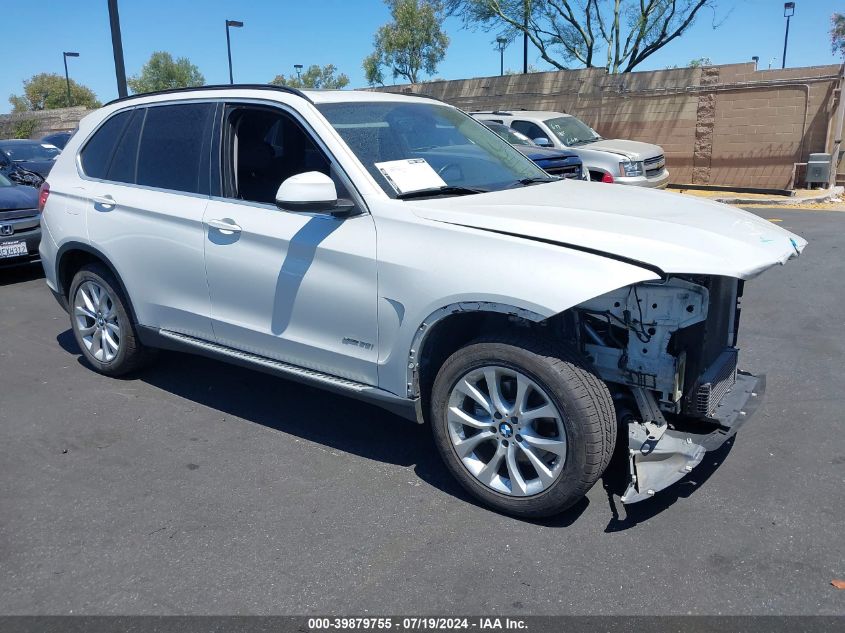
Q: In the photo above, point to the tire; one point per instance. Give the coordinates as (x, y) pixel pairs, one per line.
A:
(101, 323)
(586, 422)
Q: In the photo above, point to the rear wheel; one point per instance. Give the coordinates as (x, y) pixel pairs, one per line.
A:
(99, 317)
(524, 428)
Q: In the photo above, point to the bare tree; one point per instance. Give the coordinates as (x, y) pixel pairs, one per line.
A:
(614, 34)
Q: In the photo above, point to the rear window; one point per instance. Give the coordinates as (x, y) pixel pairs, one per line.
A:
(97, 153)
(173, 152)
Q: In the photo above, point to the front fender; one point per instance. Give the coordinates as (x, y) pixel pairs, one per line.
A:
(427, 269)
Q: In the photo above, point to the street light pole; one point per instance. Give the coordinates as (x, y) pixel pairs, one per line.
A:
(525, 40)
(117, 49)
(65, 55)
(502, 44)
(236, 24)
(788, 12)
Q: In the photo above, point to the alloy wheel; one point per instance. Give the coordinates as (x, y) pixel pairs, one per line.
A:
(95, 314)
(506, 430)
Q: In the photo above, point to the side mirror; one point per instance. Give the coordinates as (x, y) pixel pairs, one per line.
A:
(313, 192)
(542, 141)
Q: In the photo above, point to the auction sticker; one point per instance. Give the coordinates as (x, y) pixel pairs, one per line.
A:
(410, 174)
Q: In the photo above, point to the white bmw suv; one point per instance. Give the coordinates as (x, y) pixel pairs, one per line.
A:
(392, 248)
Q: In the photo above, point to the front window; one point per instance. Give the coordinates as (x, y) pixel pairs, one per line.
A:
(572, 131)
(31, 151)
(5, 182)
(451, 152)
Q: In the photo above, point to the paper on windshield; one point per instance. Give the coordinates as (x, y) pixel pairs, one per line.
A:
(410, 174)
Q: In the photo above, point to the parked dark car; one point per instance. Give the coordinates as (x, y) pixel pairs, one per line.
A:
(554, 161)
(20, 217)
(30, 155)
(59, 139)
(18, 174)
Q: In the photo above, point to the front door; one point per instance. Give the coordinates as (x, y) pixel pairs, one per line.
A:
(295, 287)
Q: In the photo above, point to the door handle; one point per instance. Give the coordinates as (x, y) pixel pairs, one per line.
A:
(224, 226)
(105, 201)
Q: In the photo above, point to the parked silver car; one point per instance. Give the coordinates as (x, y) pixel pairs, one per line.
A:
(392, 248)
(607, 160)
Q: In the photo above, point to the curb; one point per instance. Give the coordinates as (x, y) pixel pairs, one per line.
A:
(825, 195)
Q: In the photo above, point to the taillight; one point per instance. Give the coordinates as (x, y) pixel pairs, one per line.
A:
(43, 194)
(604, 178)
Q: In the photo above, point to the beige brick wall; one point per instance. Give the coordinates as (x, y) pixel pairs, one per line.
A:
(723, 125)
(47, 121)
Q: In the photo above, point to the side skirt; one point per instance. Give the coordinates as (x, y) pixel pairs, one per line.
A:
(165, 339)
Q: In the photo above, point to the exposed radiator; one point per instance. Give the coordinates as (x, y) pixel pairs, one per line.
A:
(719, 378)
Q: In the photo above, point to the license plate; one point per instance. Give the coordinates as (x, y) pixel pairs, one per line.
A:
(13, 249)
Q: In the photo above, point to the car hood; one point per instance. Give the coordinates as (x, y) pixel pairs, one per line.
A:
(42, 167)
(632, 150)
(671, 232)
(18, 197)
(543, 153)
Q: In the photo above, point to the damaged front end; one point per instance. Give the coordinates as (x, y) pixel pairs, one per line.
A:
(667, 350)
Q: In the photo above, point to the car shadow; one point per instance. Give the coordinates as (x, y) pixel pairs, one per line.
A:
(358, 428)
(19, 273)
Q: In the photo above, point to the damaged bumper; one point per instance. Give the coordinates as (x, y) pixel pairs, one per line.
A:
(660, 456)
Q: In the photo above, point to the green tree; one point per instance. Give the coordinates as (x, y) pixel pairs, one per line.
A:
(617, 35)
(47, 91)
(413, 43)
(318, 77)
(837, 34)
(699, 62)
(162, 72)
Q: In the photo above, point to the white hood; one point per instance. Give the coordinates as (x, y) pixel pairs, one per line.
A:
(632, 150)
(669, 231)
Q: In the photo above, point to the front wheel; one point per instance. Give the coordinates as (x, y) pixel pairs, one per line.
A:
(523, 427)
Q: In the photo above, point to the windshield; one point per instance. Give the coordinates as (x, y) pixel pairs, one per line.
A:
(30, 151)
(510, 135)
(445, 146)
(572, 131)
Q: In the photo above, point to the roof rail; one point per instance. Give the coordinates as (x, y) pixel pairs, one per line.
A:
(272, 87)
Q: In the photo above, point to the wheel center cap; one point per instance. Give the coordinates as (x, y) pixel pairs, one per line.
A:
(100, 320)
(505, 429)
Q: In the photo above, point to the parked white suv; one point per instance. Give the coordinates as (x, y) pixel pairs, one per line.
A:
(607, 160)
(392, 248)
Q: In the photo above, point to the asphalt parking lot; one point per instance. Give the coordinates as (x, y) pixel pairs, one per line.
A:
(201, 488)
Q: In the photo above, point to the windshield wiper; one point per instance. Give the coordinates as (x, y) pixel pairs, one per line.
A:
(584, 141)
(534, 180)
(448, 190)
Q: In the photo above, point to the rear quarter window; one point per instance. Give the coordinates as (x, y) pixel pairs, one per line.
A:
(97, 154)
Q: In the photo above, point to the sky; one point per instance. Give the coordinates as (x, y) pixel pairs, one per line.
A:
(280, 33)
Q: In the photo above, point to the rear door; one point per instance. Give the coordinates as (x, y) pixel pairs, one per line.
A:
(145, 191)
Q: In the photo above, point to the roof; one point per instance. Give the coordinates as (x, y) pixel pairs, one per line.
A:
(19, 141)
(247, 90)
(347, 96)
(523, 114)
